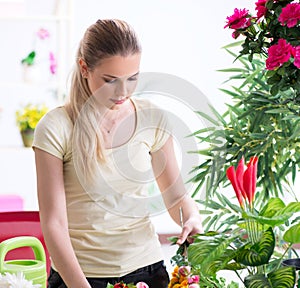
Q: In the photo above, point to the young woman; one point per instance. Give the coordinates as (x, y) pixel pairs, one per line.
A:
(93, 158)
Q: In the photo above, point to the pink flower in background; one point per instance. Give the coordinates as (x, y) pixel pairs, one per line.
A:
(53, 63)
(141, 285)
(278, 54)
(43, 33)
(239, 20)
(290, 15)
(296, 55)
(261, 8)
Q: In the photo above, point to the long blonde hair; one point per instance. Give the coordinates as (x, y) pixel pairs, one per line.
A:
(101, 40)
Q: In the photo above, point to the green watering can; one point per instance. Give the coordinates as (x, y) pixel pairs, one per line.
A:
(33, 269)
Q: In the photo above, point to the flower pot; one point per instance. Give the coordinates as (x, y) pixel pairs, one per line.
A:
(27, 137)
(295, 262)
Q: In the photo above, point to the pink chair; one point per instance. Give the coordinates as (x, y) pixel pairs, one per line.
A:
(11, 203)
(22, 223)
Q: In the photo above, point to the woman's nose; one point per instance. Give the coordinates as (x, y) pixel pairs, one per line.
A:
(121, 89)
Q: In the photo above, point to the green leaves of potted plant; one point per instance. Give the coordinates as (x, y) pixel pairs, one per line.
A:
(27, 118)
(248, 239)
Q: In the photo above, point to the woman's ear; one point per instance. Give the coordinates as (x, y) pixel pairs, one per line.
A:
(83, 68)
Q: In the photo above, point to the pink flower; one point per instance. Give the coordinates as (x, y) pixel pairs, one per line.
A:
(43, 33)
(193, 279)
(278, 54)
(184, 271)
(290, 15)
(261, 8)
(53, 63)
(194, 285)
(239, 20)
(296, 55)
(141, 285)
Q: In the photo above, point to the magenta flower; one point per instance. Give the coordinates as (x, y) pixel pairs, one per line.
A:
(239, 20)
(261, 8)
(278, 54)
(290, 15)
(296, 54)
(43, 33)
(193, 279)
(53, 63)
(141, 285)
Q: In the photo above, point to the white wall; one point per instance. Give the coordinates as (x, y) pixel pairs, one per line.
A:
(180, 37)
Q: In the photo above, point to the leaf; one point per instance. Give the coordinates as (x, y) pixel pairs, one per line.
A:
(273, 206)
(258, 253)
(284, 277)
(292, 235)
(257, 281)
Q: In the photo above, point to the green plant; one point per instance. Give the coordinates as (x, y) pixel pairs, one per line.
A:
(28, 116)
(263, 116)
(248, 237)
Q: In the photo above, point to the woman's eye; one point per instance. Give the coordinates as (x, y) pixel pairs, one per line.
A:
(109, 80)
(135, 78)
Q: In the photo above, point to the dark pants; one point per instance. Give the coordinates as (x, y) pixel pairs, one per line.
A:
(155, 275)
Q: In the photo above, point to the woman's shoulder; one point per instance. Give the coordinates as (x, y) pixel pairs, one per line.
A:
(56, 119)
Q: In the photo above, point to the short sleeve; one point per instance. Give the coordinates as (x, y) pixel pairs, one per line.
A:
(163, 128)
(50, 135)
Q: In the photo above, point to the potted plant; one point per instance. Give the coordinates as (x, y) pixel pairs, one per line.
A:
(245, 235)
(27, 118)
(263, 118)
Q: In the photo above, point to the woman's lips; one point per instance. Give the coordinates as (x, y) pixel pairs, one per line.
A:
(120, 101)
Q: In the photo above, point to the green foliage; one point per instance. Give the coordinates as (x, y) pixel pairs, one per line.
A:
(256, 124)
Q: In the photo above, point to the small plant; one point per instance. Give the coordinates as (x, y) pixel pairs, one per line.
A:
(28, 116)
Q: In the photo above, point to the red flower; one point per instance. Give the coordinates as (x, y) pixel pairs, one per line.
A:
(244, 181)
(231, 175)
(290, 15)
(261, 8)
(120, 285)
(278, 54)
(296, 54)
(239, 20)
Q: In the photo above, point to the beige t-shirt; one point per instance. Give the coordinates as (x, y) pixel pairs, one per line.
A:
(109, 223)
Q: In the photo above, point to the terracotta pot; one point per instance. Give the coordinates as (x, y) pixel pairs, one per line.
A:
(27, 137)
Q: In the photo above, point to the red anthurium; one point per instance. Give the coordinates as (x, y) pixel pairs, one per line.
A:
(231, 175)
(239, 176)
(244, 181)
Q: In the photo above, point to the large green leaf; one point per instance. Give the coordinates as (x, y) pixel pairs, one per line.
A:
(273, 206)
(292, 235)
(211, 252)
(258, 253)
(283, 277)
(257, 281)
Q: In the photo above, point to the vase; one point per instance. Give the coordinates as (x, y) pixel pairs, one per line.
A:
(27, 137)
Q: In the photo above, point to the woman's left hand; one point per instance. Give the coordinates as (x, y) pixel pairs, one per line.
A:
(191, 227)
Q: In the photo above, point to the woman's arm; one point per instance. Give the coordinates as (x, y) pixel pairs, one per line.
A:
(53, 215)
(171, 185)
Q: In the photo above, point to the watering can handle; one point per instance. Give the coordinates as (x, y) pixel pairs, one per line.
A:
(22, 241)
